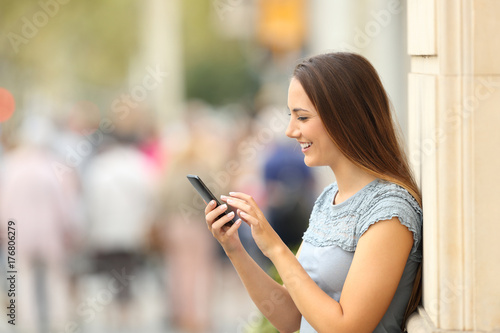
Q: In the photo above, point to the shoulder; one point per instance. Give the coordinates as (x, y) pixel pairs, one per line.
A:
(386, 201)
(385, 197)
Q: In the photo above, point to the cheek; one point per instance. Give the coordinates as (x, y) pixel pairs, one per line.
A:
(330, 148)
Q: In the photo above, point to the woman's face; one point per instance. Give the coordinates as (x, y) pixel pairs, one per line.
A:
(306, 127)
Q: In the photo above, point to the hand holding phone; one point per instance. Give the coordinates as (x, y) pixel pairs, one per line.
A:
(207, 195)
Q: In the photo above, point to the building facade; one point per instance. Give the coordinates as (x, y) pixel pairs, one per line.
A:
(454, 112)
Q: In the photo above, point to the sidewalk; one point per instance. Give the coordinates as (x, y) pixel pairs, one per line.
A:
(232, 307)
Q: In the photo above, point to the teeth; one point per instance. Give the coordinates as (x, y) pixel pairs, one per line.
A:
(306, 145)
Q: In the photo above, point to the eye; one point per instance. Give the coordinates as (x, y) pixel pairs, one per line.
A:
(302, 118)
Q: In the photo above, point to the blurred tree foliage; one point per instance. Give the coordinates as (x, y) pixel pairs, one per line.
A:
(88, 46)
(90, 41)
(217, 69)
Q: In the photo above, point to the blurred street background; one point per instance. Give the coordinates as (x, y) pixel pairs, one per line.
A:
(106, 106)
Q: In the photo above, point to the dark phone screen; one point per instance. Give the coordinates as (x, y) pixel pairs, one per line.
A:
(206, 194)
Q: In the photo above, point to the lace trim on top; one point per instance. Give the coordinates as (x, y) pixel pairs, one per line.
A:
(345, 223)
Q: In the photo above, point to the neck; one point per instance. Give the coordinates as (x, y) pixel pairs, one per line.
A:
(350, 179)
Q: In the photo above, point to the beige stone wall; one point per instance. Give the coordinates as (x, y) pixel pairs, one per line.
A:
(454, 135)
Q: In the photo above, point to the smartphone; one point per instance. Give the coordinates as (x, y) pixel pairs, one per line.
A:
(207, 195)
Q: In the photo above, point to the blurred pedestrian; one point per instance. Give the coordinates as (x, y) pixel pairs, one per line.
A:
(289, 187)
(42, 208)
(190, 254)
(120, 202)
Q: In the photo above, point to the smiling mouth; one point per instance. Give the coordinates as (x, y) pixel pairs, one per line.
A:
(305, 145)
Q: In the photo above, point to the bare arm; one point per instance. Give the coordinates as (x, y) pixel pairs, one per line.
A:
(272, 299)
(371, 283)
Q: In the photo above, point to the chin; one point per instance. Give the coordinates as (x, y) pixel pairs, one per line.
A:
(310, 163)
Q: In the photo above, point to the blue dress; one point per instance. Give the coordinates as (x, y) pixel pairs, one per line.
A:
(333, 234)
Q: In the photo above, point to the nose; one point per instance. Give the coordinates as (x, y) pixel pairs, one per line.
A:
(292, 130)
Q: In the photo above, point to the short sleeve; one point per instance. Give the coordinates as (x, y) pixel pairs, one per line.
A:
(395, 201)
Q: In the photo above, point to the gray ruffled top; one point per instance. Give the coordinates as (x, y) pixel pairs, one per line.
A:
(334, 232)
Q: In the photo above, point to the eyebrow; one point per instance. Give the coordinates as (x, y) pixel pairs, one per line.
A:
(299, 109)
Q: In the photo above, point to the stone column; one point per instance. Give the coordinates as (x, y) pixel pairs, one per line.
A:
(161, 52)
(454, 135)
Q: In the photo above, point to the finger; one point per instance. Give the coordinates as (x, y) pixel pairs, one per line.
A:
(248, 218)
(242, 219)
(210, 207)
(222, 221)
(242, 196)
(212, 216)
(226, 198)
(239, 204)
(233, 228)
(247, 199)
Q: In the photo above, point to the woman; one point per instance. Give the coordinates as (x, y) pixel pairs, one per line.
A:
(358, 266)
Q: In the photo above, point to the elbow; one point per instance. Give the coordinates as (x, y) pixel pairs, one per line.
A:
(288, 330)
(290, 327)
(331, 328)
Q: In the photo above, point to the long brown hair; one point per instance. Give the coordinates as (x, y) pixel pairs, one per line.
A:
(355, 109)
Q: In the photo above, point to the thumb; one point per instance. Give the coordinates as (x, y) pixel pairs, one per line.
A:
(234, 228)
